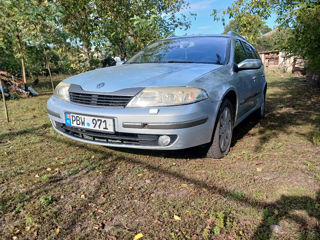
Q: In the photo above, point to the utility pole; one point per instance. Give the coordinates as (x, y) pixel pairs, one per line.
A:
(4, 100)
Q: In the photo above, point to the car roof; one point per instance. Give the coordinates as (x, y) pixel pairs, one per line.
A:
(228, 35)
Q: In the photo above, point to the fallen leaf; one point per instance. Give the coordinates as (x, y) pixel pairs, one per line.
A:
(48, 169)
(140, 174)
(57, 230)
(100, 211)
(259, 169)
(36, 175)
(83, 196)
(176, 218)
(14, 238)
(138, 236)
(35, 235)
(61, 163)
(28, 229)
(184, 185)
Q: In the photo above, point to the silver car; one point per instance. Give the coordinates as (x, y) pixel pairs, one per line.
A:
(177, 93)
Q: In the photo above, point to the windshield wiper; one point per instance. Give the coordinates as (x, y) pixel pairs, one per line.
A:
(174, 61)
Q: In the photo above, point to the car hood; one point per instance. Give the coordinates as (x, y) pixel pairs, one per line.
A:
(141, 75)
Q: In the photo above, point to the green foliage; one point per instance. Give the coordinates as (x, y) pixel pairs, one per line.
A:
(29, 221)
(274, 40)
(249, 26)
(74, 36)
(221, 222)
(46, 200)
(72, 171)
(306, 34)
(316, 139)
(46, 177)
(301, 17)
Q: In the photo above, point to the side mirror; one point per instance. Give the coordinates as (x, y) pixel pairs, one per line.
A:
(249, 64)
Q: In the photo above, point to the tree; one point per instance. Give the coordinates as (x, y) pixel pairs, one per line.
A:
(130, 25)
(22, 21)
(74, 35)
(276, 40)
(251, 29)
(300, 16)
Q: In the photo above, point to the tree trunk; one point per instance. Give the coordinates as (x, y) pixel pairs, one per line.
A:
(48, 67)
(49, 70)
(123, 50)
(86, 51)
(21, 58)
(4, 100)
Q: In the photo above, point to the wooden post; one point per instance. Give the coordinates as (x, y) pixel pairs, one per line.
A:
(4, 100)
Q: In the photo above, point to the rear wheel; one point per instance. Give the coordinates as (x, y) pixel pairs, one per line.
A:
(261, 111)
(222, 135)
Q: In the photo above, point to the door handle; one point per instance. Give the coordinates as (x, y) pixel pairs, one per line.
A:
(254, 78)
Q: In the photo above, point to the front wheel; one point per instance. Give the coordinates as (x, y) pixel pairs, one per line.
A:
(222, 135)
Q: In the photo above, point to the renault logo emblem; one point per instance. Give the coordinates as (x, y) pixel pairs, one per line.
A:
(100, 85)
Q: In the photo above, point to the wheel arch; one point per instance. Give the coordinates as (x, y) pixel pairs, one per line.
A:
(231, 95)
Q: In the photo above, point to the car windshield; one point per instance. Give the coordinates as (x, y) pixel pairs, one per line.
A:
(210, 50)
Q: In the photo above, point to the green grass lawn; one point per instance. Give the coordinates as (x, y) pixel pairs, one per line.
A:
(52, 187)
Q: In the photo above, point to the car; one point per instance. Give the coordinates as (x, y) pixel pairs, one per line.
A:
(177, 93)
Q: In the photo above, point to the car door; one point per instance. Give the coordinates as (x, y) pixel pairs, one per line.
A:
(257, 75)
(245, 80)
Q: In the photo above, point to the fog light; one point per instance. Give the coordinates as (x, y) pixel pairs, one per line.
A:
(164, 140)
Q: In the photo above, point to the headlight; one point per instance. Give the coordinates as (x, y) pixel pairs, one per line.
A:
(167, 96)
(62, 91)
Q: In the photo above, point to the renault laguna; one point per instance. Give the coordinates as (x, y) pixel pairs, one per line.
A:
(177, 93)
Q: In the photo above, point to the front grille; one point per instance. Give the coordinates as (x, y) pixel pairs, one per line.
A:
(116, 138)
(99, 100)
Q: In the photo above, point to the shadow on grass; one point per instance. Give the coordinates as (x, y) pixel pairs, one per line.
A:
(190, 153)
(296, 105)
(25, 131)
(273, 212)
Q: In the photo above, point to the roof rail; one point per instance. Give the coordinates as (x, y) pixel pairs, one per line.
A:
(236, 35)
(171, 36)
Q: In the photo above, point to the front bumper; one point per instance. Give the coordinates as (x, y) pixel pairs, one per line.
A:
(187, 125)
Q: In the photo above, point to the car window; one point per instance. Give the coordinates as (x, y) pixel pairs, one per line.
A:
(250, 51)
(186, 50)
(239, 53)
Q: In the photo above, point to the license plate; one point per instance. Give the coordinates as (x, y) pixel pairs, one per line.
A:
(89, 122)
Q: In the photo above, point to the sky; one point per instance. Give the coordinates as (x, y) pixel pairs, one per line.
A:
(204, 23)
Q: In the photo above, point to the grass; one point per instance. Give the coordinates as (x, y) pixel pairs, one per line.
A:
(52, 187)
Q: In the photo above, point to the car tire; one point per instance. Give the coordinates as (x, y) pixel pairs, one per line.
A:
(222, 135)
(260, 113)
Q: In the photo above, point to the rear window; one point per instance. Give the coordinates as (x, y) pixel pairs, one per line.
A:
(211, 50)
(251, 54)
